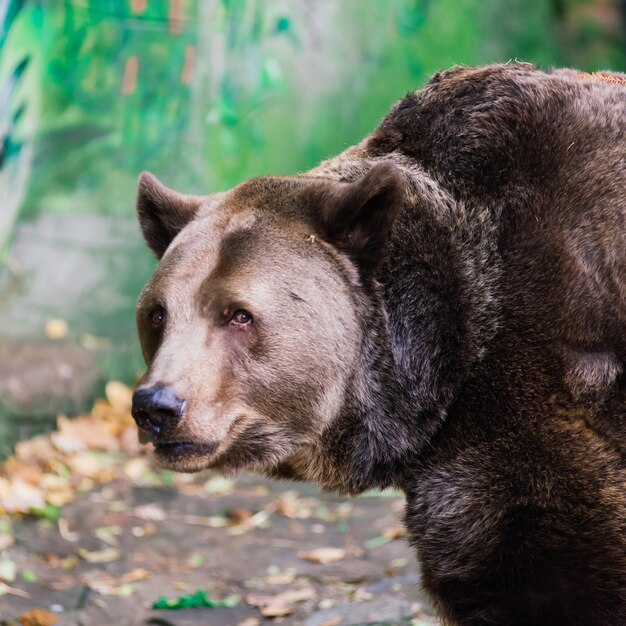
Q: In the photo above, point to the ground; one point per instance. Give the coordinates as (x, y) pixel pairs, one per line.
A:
(108, 535)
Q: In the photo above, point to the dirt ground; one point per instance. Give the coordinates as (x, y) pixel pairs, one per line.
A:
(119, 547)
(92, 534)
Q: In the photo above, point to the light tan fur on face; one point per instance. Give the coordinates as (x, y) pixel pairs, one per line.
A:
(185, 348)
(276, 388)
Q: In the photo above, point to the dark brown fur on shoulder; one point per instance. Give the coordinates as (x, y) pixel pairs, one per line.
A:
(441, 308)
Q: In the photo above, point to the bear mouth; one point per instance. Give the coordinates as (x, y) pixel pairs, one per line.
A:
(178, 450)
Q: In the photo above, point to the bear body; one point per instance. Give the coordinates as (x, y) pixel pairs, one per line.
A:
(441, 308)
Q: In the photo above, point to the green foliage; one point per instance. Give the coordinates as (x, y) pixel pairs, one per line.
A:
(235, 89)
(11, 11)
(49, 513)
(196, 600)
(10, 117)
(99, 125)
(29, 576)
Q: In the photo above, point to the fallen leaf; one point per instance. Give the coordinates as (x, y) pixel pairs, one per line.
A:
(108, 585)
(281, 604)
(389, 534)
(57, 489)
(108, 534)
(214, 521)
(136, 575)
(101, 556)
(85, 464)
(150, 512)
(8, 570)
(180, 585)
(292, 506)
(4, 588)
(323, 555)
(250, 621)
(259, 519)
(281, 578)
(119, 395)
(65, 532)
(29, 472)
(37, 450)
(332, 622)
(65, 563)
(85, 433)
(69, 562)
(67, 443)
(147, 530)
(38, 617)
(219, 486)
(125, 590)
(17, 496)
(395, 532)
(238, 515)
(277, 610)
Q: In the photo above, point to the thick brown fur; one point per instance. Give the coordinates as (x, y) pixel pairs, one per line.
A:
(441, 308)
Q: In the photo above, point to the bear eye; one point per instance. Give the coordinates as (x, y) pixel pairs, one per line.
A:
(156, 317)
(241, 318)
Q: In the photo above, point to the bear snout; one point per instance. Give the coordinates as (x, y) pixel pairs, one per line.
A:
(157, 410)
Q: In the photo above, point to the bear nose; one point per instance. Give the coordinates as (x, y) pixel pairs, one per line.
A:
(156, 409)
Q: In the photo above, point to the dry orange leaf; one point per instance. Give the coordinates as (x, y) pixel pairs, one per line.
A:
(17, 496)
(239, 515)
(85, 433)
(53, 483)
(136, 575)
(38, 617)
(120, 396)
(28, 472)
(116, 417)
(323, 555)
(37, 473)
(395, 532)
(277, 610)
(282, 604)
(36, 450)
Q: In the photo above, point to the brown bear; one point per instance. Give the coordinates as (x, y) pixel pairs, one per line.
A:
(441, 308)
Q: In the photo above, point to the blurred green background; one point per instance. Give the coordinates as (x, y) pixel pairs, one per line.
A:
(205, 93)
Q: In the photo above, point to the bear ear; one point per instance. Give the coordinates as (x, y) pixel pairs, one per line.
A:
(357, 217)
(162, 212)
